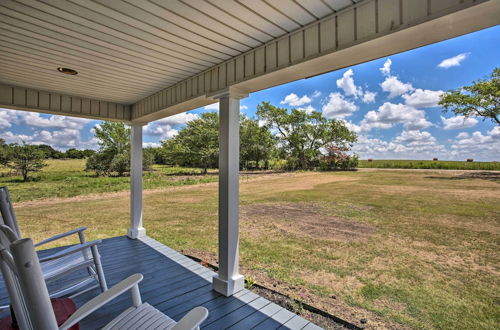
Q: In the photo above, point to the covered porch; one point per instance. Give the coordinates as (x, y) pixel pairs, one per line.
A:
(175, 284)
(140, 63)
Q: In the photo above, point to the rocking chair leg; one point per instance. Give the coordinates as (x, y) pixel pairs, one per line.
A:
(98, 266)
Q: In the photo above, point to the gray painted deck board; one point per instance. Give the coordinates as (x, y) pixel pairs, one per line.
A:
(174, 284)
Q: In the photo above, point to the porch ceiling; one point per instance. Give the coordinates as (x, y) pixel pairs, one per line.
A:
(126, 50)
(139, 61)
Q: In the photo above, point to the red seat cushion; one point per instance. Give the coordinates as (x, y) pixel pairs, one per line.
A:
(63, 308)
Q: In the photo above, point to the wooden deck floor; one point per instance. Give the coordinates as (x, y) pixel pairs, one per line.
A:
(175, 284)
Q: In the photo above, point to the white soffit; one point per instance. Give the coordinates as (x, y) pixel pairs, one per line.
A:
(125, 50)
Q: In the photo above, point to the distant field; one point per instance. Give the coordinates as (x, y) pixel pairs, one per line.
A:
(67, 178)
(429, 164)
(400, 249)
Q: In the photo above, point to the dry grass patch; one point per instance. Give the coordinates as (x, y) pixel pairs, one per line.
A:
(306, 219)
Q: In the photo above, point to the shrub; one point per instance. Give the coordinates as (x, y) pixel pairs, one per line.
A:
(26, 159)
(470, 160)
(338, 159)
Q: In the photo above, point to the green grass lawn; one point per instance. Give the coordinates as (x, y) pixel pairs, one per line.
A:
(67, 178)
(402, 249)
(429, 164)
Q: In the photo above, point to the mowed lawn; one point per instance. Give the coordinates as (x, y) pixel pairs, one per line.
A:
(401, 249)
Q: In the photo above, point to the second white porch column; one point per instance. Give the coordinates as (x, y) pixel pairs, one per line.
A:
(136, 230)
(229, 280)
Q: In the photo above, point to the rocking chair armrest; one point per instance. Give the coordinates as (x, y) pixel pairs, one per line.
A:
(192, 320)
(102, 299)
(72, 249)
(55, 238)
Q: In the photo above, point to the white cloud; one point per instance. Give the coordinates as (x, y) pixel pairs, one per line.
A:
(59, 139)
(477, 145)
(316, 94)
(390, 114)
(346, 83)
(243, 107)
(386, 69)
(308, 109)
(458, 122)
(151, 144)
(352, 127)
(10, 137)
(33, 119)
(453, 61)
(51, 121)
(415, 137)
(178, 119)
(423, 98)
(161, 131)
(7, 117)
(338, 106)
(165, 127)
(295, 101)
(395, 87)
(410, 144)
(369, 97)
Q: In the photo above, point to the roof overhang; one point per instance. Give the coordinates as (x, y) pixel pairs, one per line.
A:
(141, 61)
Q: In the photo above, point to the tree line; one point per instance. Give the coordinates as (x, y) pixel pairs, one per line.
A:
(276, 137)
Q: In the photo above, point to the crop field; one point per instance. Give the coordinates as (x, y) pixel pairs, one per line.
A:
(401, 249)
(430, 164)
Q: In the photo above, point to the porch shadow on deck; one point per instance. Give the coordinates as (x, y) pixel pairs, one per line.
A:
(174, 284)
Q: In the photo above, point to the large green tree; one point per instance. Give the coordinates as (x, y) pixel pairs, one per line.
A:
(481, 99)
(113, 155)
(257, 144)
(26, 159)
(197, 144)
(304, 135)
(114, 149)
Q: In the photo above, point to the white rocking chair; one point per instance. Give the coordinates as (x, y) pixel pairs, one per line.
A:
(63, 262)
(32, 298)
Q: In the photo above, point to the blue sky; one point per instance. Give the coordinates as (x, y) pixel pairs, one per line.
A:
(391, 103)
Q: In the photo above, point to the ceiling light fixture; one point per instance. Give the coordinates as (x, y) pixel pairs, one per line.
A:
(67, 71)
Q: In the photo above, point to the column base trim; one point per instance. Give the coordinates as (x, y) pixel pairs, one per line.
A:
(135, 233)
(228, 287)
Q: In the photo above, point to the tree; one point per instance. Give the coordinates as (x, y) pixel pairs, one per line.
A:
(48, 151)
(5, 153)
(114, 149)
(73, 153)
(481, 99)
(197, 144)
(256, 143)
(27, 158)
(304, 135)
(113, 155)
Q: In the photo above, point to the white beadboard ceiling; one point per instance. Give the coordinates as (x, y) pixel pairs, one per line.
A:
(125, 50)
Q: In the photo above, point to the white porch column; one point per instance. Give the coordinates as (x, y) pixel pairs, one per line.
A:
(229, 281)
(136, 230)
